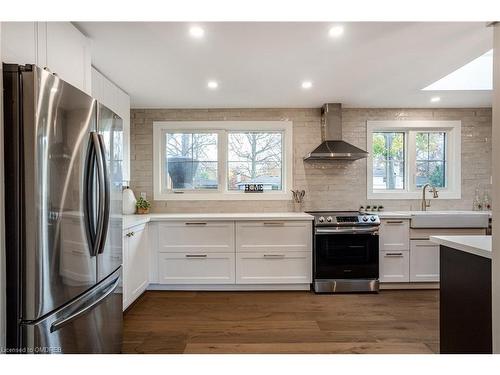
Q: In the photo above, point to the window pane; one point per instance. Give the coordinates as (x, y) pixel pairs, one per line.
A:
(191, 161)
(388, 160)
(179, 145)
(431, 172)
(205, 147)
(431, 159)
(436, 146)
(382, 171)
(206, 175)
(255, 157)
(422, 145)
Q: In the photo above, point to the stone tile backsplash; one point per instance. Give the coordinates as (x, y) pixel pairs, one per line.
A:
(333, 185)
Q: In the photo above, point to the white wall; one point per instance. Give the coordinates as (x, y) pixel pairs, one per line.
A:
(2, 256)
(496, 191)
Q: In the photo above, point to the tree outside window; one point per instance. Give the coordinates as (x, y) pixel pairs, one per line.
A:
(431, 159)
(191, 161)
(255, 158)
(388, 160)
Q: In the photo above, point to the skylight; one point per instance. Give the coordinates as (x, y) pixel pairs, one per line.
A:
(475, 75)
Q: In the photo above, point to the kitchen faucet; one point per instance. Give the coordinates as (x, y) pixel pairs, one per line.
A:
(427, 203)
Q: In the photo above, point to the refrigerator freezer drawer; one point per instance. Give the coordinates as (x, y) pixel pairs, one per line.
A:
(91, 323)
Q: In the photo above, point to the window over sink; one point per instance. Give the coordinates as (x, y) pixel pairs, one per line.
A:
(212, 160)
(406, 155)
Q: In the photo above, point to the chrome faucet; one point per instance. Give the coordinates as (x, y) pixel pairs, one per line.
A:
(427, 203)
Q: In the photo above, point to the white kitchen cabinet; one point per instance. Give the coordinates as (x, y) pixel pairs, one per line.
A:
(135, 263)
(68, 54)
(196, 236)
(58, 46)
(394, 266)
(109, 94)
(196, 268)
(424, 261)
(20, 42)
(274, 267)
(394, 235)
(281, 236)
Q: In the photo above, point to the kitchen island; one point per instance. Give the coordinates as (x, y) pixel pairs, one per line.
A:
(465, 294)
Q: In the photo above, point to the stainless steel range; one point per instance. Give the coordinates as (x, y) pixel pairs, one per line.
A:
(346, 252)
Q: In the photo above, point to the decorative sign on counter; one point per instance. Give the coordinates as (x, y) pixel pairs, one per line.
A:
(254, 188)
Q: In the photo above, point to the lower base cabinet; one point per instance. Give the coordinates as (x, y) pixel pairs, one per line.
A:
(424, 261)
(196, 268)
(394, 266)
(135, 263)
(273, 268)
(231, 253)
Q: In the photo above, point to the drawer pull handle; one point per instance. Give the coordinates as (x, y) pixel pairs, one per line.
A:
(274, 224)
(394, 254)
(395, 222)
(196, 255)
(196, 223)
(275, 256)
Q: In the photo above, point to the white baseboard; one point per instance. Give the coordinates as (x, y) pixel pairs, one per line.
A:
(229, 287)
(389, 286)
(257, 287)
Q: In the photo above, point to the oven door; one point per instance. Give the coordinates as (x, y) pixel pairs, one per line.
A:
(346, 253)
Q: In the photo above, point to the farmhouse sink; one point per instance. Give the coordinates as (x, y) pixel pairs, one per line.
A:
(449, 219)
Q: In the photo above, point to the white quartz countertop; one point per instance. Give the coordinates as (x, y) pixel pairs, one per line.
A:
(409, 214)
(132, 220)
(477, 245)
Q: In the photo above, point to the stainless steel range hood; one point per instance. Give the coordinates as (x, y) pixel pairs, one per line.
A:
(333, 147)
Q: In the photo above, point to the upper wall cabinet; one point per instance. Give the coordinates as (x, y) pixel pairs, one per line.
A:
(58, 46)
(118, 101)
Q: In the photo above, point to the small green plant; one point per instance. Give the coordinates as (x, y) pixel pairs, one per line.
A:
(143, 204)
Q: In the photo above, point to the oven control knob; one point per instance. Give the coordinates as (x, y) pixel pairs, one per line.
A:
(321, 219)
(365, 219)
(373, 218)
(329, 219)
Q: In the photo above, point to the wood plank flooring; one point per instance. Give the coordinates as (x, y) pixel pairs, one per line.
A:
(283, 322)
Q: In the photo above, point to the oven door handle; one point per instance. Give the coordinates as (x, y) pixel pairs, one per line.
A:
(350, 230)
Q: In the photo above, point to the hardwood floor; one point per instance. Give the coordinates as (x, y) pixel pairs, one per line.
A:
(283, 322)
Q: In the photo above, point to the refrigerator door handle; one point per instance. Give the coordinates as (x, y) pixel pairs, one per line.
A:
(101, 181)
(72, 316)
(88, 197)
(106, 197)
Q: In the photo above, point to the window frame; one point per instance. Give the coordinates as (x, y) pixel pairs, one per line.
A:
(453, 169)
(222, 128)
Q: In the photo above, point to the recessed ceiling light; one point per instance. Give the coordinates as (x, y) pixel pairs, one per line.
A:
(435, 99)
(336, 31)
(307, 85)
(196, 32)
(212, 85)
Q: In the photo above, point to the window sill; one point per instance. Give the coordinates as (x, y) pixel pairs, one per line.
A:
(392, 195)
(222, 197)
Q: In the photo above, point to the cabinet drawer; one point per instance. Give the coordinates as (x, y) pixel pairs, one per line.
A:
(394, 266)
(196, 268)
(196, 236)
(273, 267)
(424, 261)
(282, 236)
(394, 234)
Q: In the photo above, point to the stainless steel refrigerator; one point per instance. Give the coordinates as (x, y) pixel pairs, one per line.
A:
(63, 183)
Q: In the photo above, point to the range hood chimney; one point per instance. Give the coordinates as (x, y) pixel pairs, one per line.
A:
(333, 147)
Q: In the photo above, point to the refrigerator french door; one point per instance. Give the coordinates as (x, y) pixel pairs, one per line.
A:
(63, 266)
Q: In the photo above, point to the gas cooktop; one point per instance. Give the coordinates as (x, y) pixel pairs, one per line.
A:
(344, 218)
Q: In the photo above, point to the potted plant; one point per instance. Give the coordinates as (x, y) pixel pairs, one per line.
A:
(143, 206)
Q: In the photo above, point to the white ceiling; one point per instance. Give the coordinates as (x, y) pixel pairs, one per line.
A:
(380, 64)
